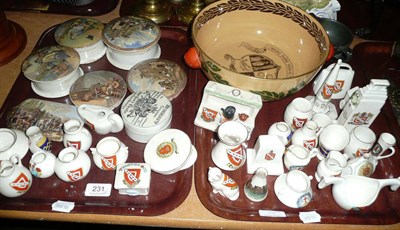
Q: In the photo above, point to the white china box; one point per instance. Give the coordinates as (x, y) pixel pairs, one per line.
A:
(133, 179)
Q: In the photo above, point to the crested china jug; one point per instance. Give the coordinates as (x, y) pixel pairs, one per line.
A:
(354, 192)
(101, 119)
(230, 151)
(222, 184)
(109, 152)
(75, 135)
(15, 179)
(37, 141)
(306, 136)
(72, 164)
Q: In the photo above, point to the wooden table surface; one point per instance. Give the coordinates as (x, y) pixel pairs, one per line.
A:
(191, 214)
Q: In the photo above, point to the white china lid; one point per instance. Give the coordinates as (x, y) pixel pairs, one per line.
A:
(167, 150)
(159, 75)
(145, 110)
(132, 175)
(100, 87)
(131, 33)
(50, 63)
(79, 32)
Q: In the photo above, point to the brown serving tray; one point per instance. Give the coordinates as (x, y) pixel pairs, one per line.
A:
(166, 191)
(368, 61)
(98, 7)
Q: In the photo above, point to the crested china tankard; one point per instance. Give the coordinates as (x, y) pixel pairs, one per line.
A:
(15, 179)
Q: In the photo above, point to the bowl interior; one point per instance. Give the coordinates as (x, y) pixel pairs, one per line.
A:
(261, 43)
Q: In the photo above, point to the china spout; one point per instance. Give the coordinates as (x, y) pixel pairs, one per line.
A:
(326, 181)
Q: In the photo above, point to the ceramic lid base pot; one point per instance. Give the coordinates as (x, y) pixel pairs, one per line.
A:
(91, 53)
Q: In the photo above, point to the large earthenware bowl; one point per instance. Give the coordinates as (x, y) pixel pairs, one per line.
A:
(268, 47)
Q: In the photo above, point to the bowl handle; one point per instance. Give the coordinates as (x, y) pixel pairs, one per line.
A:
(192, 58)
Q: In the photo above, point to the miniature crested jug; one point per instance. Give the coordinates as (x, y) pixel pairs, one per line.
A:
(15, 179)
(75, 135)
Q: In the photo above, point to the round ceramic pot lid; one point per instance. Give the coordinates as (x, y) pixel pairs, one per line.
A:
(131, 33)
(102, 88)
(167, 150)
(158, 75)
(50, 63)
(79, 32)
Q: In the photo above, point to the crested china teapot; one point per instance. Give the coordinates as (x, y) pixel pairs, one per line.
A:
(353, 192)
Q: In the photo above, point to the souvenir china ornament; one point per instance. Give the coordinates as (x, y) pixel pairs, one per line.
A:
(109, 153)
(297, 113)
(100, 119)
(364, 165)
(306, 136)
(386, 141)
(72, 164)
(332, 165)
(222, 184)
(298, 157)
(52, 70)
(84, 35)
(37, 140)
(322, 120)
(361, 141)
(42, 164)
(15, 179)
(133, 179)
(131, 40)
(361, 106)
(294, 189)
(282, 130)
(256, 189)
(77, 136)
(332, 137)
(159, 75)
(267, 153)
(355, 192)
(146, 113)
(12, 142)
(230, 151)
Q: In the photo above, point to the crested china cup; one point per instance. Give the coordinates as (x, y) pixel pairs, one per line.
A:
(298, 112)
(75, 135)
(354, 192)
(332, 137)
(101, 119)
(332, 165)
(72, 164)
(361, 141)
(109, 153)
(230, 151)
(293, 189)
(42, 164)
(12, 142)
(386, 141)
(297, 157)
(15, 179)
(282, 130)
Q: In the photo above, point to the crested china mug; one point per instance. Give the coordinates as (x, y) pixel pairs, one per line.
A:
(42, 164)
(15, 179)
(101, 119)
(361, 141)
(72, 164)
(109, 152)
(298, 112)
(75, 135)
(386, 141)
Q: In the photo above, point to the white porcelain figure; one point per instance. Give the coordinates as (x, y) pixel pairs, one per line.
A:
(256, 188)
(297, 157)
(293, 189)
(333, 137)
(306, 136)
(332, 165)
(109, 152)
(223, 184)
(361, 141)
(282, 130)
(12, 142)
(42, 164)
(77, 136)
(298, 112)
(37, 140)
(354, 192)
(72, 164)
(230, 151)
(101, 119)
(15, 179)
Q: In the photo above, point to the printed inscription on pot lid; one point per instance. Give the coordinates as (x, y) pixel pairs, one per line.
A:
(50, 63)
(79, 32)
(131, 33)
(158, 75)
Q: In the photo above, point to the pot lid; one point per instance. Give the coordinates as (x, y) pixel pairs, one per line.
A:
(131, 33)
(50, 63)
(158, 75)
(79, 32)
(100, 87)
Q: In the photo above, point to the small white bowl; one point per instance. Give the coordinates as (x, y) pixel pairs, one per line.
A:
(52, 70)
(146, 113)
(131, 40)
(85, 36)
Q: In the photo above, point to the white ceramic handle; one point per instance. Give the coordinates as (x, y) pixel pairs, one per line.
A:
(389, 155)
(117, 122)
